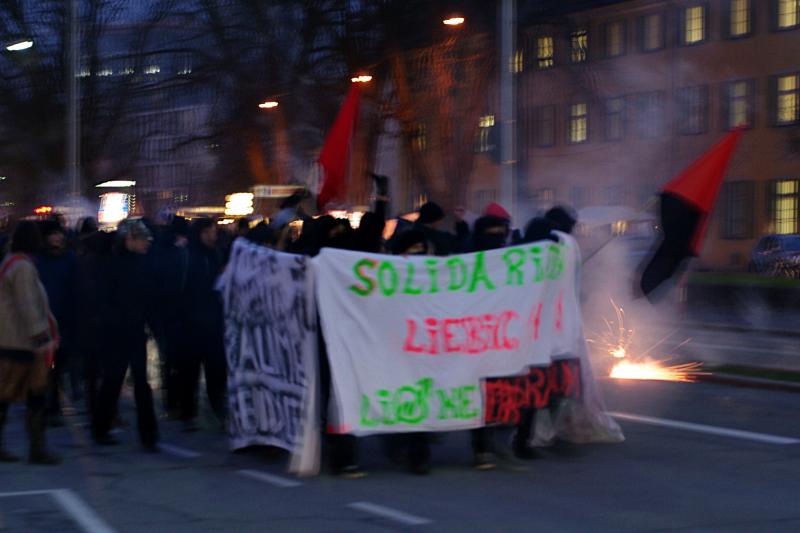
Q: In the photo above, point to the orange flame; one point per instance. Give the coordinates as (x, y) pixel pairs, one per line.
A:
(653, 370)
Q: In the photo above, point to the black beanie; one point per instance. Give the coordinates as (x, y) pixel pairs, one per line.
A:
(430, 212)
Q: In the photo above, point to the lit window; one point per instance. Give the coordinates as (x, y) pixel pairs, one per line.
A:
(784, 206)
(615, 39)
(788, 13)
(694, 24)
(693, 103)
(544, 52)
(152, 69)
(615, 119)
(652, 32)
(740, 104)
(517, 64)
(419, 139)
(579, 45)
(487, 121)
(739, 18)
(578, 123)
(485, 143)
(788, 98)
(544, 132)
(105, 72)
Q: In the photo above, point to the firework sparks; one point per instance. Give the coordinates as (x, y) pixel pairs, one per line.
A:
(618, 341)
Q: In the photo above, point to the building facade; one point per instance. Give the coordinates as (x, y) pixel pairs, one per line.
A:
(614, 101)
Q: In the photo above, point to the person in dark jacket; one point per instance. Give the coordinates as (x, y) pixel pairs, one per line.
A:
(58, 273)
(130, 303)
(171, 259)
(203, 325)
(441, 243)
(93, 257)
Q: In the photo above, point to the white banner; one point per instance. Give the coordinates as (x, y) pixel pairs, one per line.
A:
(271, 347)
(412, 340)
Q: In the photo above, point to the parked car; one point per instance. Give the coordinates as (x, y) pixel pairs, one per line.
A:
(777, 255)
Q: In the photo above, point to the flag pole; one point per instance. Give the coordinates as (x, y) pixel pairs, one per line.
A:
(647, 205)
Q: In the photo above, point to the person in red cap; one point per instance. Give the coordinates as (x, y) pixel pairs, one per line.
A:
(496, 210)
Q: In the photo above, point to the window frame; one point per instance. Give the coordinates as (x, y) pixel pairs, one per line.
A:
(551, 58)
(622, 113)
(727, 19)
(537, 120)
(659, 114)
(623, 38)
(685, 115)
(584, 54)
(775, 18)
(641, 35)
(773, 197)
(682, 28)
(733, 224)
(570, 119)
(774, 99)
(726, 100)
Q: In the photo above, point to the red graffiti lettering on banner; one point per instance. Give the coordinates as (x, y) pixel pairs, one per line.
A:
(468, 335)
(535, 321)
(560, 312)
(505, 399)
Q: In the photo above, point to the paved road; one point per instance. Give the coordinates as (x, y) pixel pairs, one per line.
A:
(663, 478)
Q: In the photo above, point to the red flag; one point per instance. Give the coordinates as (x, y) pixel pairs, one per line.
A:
(335, 152)
(686, 205)
(699, 184)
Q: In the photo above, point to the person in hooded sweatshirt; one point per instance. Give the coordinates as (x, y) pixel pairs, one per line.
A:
(131, 298)
(203, 323)
(430, 221)
(57, 268)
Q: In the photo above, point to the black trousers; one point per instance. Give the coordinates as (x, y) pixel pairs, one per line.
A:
(133, 354)
(207, 351)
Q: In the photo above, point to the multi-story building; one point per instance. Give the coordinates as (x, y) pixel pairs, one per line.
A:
(615, 100)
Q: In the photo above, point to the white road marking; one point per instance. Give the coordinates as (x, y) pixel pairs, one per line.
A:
(277, 481)
(78, 511)
(702, 428)
(179, 451)
(391, 514)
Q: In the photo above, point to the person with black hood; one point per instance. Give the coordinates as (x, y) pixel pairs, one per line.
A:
(58, 273)
(131, 299)
(203, 326)
(93, 259)
(441, 243)
(171, 260)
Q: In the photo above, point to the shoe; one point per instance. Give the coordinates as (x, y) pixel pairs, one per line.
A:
(485, 461)
(351, 472)
(106, 440)
(43, 457)
(6, 457)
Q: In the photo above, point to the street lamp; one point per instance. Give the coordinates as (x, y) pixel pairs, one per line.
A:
(269, 104)
(453, 21)
(363, 78)
(19, 46)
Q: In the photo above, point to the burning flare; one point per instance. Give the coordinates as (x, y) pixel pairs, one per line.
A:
(617, 340)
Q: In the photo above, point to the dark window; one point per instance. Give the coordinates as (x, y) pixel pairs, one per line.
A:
(737, 210)
(615, 119)
(544, 132)
(693, 110)
(579, 196)
(614, 35)
(651, 32)
(650, 114)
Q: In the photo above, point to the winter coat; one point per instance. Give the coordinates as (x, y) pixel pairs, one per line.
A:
(131, 296)
(24, 311)
(59, 276)
(202, 305)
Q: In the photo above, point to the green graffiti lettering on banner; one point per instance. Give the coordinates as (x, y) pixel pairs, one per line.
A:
(537, 263)
(514, 266)
(457, 403)
(408, 289)
(479, 274)
(369, 283)
(410, 404)
(390, 287)
(555, 262)
(433, 271)
(457, 263)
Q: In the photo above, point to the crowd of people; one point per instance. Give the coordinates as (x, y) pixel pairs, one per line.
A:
(77, 309)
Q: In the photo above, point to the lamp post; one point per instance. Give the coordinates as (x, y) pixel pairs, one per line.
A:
(73, 105)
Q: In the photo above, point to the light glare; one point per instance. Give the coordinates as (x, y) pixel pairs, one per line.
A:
(22, 45)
